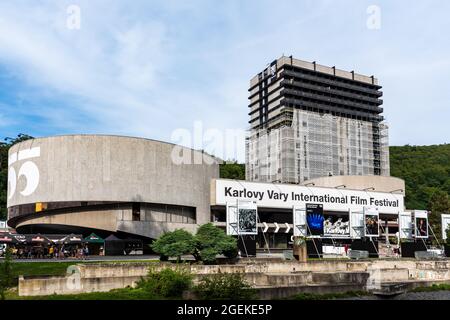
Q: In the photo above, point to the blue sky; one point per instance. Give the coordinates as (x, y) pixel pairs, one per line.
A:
(147, 68)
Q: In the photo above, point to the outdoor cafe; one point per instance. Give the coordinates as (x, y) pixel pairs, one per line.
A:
(38, 246)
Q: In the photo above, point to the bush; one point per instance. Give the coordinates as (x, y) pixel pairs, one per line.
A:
(174, 244)
(208, 255)
(167, 283)
(212, 241)
(6, 274)
(223, 286)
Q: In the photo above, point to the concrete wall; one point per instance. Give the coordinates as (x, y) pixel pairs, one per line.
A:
(273, 279)
(109, 168)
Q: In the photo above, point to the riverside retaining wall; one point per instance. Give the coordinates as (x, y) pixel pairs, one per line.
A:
(82, 278)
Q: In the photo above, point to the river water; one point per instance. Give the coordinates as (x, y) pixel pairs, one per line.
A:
(434, 295)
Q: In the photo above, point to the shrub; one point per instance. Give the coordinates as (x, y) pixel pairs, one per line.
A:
(6, 274)
(174, 244)
(167, 283)
(212, 241)
(224, 286)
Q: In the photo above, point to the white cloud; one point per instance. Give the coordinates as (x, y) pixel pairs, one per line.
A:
(146, 68)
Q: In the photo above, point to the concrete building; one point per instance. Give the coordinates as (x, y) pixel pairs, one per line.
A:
(107, 184)
(138, 188)
(275, 203)
(309, 121)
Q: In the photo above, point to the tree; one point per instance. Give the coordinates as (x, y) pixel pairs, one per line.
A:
(174, 244)
(425, 169)
(232, 171)
(212, 241)
(6, 274)
(224, 286)
(439, 203)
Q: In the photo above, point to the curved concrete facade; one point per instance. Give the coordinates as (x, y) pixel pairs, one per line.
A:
(378, 183)
(115, 183)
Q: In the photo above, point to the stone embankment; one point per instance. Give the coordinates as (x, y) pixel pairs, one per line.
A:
(272, 279)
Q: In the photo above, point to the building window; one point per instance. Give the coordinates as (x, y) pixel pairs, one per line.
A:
(136, 216)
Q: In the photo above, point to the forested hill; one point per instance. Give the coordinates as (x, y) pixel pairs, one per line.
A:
(426, 170)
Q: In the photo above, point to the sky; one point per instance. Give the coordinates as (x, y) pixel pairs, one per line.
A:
(153, 68)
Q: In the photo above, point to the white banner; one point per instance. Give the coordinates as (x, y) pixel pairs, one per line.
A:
(357, 224)
(300, 227)
(269, 195)
(232, 219)
(445, 218)
(405, 225)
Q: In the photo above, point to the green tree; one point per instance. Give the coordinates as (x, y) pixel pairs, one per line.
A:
(224, 286)
(212, 241)
(439, 203)
(6, 274)
(174, 244)
(167, 283)
(232, 170)
(425, 170)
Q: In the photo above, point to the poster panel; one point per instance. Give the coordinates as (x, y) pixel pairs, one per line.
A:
(421, 224)
(300, 228)
(371, 222)
(356, 224)
(314, 219)
(336, 225)
(247, 218)
(405, 225)
(232, 219)
(445, 219)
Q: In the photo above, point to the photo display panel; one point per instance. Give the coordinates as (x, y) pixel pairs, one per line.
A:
(357, 224)
(247, 218)
(336, 225)
(421, 224)
(371, 222)
(300, 227)
(314, 219)
(445, 225)
(232, 219)
(405, 224)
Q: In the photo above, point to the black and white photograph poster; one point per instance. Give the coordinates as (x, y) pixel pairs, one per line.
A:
(247, 218)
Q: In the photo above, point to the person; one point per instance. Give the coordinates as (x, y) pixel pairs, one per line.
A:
(86, 251)
(346, 249)
(422, 228)
(51, 251)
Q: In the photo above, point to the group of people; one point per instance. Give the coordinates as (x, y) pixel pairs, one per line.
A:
(51, 252)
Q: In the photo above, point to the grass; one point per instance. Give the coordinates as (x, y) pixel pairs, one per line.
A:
(434, 287)
(329, 296)
(117, 294)
(55, 268)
